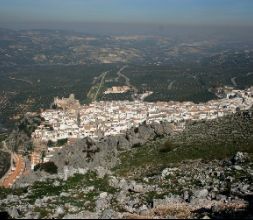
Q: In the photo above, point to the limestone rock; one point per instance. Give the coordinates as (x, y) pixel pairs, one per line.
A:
(240, 157)
(237, 167)
(110, 214)
(82, 215)
(103, 202)
(101, 172)
(201, 193)
(13, 212)
(59, 211)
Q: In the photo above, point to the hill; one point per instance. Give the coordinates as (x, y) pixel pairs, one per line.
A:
(204, 171)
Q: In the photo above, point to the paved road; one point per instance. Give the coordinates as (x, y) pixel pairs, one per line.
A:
(22, 80)
(171, 84)
(127, 81)
(100, 85)
(233, 80)
(13, 175)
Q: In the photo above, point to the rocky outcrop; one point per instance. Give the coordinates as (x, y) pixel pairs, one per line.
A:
(20, 138)
(88, 153)
(191, 189)
(240, 158)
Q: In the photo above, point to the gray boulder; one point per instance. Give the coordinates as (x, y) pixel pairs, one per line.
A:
(113, 182)
(82, 215)
(13, 212)
(240, 157)
(186, 196)
(32, 215)
(59, 211)
(167, 128)
(103, 202)
(101, 172)
(110, 214)
(238, 168)
(122, 143)
(201, 193)
(158, 129)
(143, 210)
(123, 184)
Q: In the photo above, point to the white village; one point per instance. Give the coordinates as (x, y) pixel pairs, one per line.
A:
(72, 121)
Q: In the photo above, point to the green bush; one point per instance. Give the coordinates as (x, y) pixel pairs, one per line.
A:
(62, 142)
(50, 143)
(137, 145)
(168, 146)
(48, 167)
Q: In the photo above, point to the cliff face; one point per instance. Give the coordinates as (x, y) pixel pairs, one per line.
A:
(87, 153)
(20, 138)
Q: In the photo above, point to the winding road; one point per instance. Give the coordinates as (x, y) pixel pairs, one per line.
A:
(127, 81)
(22, 80)
(171, 84)
(233, 80)
(15, 173)
(100, 85)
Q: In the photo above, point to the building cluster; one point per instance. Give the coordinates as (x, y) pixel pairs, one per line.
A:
(67, 103)
(117, 89)
(111, 118)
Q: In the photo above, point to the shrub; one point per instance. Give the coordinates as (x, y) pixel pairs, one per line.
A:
(168, 146)
(48, 167)
(137, 145)
(50, 143)
(62, 142)
(136, 130)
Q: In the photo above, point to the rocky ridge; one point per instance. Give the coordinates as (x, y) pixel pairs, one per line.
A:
(86, 186)
(88, 153)
(235, 129)
(191, 189)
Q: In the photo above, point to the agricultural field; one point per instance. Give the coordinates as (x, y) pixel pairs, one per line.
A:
(36, 66)
(31, 88)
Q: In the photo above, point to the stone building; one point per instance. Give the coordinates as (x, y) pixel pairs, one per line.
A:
(67, 103)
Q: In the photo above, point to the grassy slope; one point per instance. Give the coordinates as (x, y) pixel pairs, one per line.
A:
(217, 139)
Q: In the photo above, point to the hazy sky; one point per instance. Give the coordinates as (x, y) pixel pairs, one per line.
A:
(176, 12)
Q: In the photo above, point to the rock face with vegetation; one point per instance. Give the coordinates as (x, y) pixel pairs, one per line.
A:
(228, 132)
(5, 159)
(88, 153)
(206, 171)
(20, 138)
(190, 189)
